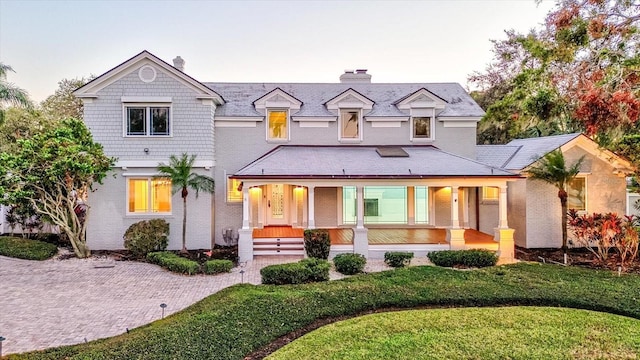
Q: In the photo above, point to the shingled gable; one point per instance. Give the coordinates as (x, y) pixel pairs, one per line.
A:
(277, 98)
(349, 98)
(423, 97)
(90, 90)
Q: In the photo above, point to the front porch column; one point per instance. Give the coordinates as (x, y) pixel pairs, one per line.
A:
(245, 235)
(502, 234)
(455, 235)
(360, 239)
(312, 208)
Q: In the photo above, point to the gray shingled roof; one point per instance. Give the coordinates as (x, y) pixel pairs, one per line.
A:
(240, 96)
(291, 161)
(520, 153)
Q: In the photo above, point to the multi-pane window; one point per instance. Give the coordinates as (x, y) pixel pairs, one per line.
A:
(149, 195)
(349, 124)
(422, 127)
(577, 194)
(147, 120)
(277, 125)
(490, 193)
(234, 190)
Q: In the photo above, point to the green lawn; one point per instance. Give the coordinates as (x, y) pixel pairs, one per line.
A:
(472, 333)
(243, 318)
(28, 249)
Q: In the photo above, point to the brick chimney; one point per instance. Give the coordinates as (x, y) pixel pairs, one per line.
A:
(357, 76)
(178, 63)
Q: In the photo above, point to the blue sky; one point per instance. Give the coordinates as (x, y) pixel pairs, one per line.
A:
(259, 41)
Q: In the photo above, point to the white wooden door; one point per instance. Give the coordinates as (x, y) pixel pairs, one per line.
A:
(277, 205)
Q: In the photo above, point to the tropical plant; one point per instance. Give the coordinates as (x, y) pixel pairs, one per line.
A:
(553, 169)
(11, 94)
(180, 171)
(54, 172)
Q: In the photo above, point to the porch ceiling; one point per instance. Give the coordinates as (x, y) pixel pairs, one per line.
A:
(336, 162)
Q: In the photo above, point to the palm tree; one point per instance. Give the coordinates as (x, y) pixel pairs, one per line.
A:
(180, 171)
(10, 93)
(553, 169)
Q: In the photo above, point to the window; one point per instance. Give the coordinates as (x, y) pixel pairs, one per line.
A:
(234, 190)
(490, 193)
(277, 128)
(370, 207)
(421, 128)
(577, 192)
(147, 120)
(149, 196)
(421, 203)
(350, 124)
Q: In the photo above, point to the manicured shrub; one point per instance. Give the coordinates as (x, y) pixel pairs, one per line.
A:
(317, 243)
(174, 263)
(349, 264)
(467, 258)
(27, 249)
(397, 259)
(304, 271)
(217, 266)
(146, 236)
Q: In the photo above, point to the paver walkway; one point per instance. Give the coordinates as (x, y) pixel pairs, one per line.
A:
(62, 302)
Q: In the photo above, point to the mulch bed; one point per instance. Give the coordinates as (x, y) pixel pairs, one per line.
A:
(575, 257)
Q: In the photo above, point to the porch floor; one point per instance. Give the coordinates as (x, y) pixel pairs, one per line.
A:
(380, 236)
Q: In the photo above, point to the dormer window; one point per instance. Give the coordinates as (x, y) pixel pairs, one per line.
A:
(278, 125)
(422, 128)
(350, 124)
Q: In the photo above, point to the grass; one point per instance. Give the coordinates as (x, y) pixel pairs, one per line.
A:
(472, 333)
(244, 318)
(28, 249)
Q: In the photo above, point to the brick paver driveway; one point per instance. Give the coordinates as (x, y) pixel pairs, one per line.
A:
(62, 302)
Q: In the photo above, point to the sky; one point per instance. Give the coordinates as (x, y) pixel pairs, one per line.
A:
(259, 41)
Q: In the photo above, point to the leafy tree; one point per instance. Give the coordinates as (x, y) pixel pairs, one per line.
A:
(54, 171)
(20, 123)
(63, 104)
(553, 169)
(9, 93)
(180, 171)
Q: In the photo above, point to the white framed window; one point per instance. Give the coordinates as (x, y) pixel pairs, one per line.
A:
(277, 125)
(148, 195)
(234, 190)
(422, 128)
(577, 194)
(147, 120)
(490, 194)
(350, 124)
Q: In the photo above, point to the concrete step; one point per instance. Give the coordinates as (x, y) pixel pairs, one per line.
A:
(278, 252)
(278, 240)
(277, 246)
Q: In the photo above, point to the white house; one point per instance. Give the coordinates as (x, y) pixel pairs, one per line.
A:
(383, 166)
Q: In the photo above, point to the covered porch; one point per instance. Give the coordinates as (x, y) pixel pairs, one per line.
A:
(424, 200)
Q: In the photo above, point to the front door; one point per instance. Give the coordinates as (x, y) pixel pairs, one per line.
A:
(276, 204)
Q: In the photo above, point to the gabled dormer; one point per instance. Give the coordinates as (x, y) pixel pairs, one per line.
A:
(350, 107)
(423, 107)
(277, 106)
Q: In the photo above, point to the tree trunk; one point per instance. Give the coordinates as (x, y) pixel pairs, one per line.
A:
(184, 223)
(79, 244)
(563, 204)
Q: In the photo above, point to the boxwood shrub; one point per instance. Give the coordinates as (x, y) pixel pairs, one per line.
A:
(217, 266)
(467, 258)
(349, 264)
(27, 249)
(304, 271)
(397, 259)
(317, 243)
(174, 263)
(146, 236)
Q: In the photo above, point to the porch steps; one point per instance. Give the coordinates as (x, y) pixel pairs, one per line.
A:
(278, 246)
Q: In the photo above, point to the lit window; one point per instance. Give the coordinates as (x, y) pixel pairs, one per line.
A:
(147, 120)
(234, 190)
(149, 195)
(490, 193)
(422, 127)
(577, 192)
(349, 124)
(277, 128)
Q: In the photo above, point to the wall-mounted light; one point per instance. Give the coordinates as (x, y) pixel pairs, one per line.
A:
(146, 151)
